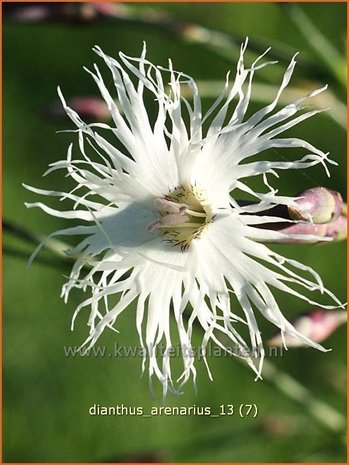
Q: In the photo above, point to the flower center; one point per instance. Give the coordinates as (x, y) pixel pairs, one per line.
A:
(184, 213)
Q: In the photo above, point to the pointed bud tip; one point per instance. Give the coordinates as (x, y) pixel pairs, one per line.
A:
(338, 229)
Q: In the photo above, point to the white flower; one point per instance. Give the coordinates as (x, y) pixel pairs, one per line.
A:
(166, 229)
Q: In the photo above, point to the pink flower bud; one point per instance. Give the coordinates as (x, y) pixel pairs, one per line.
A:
(317, 205)
(89, 108)
(106, 8)
(337, 230)
(34, 12)
(88, 12)
(30, 13)
(317, 325)
(306, 229)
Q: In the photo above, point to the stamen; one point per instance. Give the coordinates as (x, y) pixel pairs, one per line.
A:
(172, 220)
(179, 226)
(194, 213)
(184, 213)
(154, 225)
(167, 206)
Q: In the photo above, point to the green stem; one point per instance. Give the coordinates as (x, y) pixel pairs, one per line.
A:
(322, 412)
(54, 245)
(53, 262)
(329, 55)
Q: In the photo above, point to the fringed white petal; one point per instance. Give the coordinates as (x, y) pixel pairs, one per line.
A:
(224, 279)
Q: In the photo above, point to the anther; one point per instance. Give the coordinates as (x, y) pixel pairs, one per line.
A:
(170, 220)
(183, 213)
(166, 206)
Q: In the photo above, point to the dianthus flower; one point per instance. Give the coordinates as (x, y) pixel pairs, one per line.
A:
(161, 222)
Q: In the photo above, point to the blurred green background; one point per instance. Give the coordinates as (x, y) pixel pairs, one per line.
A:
(46, 394)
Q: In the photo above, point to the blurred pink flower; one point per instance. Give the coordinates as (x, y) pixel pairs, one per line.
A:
(317, 325)
(89, 107)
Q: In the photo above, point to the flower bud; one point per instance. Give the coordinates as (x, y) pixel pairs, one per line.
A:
(317, 205)
(337, 230)
(304, 229)
(89, 108)
(35, 12)
(317, 325)
(107, 9)
(91, 12)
